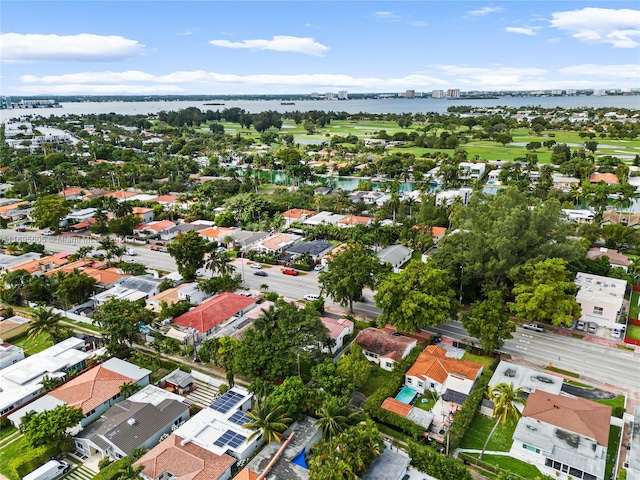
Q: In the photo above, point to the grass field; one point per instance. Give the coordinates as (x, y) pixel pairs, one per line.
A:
(512, 465)
(634, 308)
(633, 331)
(479, 430)
(8, 453)
(618, 401)
(376, 378)
(612, 450)
(486, 362)
(32, 345)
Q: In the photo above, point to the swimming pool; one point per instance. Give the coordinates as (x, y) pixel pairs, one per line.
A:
(406, 395)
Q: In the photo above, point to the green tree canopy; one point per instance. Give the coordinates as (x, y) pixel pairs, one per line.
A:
(50, 427)
(188, 250)
(420, 296)
(488, 321)
(268, 419)
(545, 293)
(49, 211)
(118, 321)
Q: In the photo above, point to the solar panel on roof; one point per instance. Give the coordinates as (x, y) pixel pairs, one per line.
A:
(230, 438)
(226, 401)
(239, 418)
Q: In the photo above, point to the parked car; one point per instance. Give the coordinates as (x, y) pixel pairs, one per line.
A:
(47, 233)
(155, 248)
(50, 470)
(592, 327)
(260, 273)
(288, 271)
(21, 229)
(533, 326)
(616, 333)
(245, 294)
(580, 326)
(257, 266)
(163, 249)
(310, 297)
(131, 252)
(318, 267)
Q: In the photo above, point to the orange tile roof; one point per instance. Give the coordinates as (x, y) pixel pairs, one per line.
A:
(608, 178)
(354, 220)
(384, 344)
(275, 242)
(246, 474)
(576, 415)
(396, 406)
(91, 389)
(165, 199)
(184, 462)
(105, 277)
(12, 206)
(121, 194)
(34, 265)
(216, 232)
(155, 226)
(70, 267)
(67, 192)
(136, 210)
(437, 231)
(297, 213)
(214, 311)
(432, 363)
(336, 326)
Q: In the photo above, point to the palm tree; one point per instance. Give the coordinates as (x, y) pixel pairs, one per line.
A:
(128, 389)
(505, 398)
(129, 472)
(220, 262)
(333, 416)
(84, 251)
(138, 452)
(47, 322)
(268, 419)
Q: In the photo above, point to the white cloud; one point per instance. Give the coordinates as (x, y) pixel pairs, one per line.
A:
(279, 43)
(530, 31)
(418, 24)
(387, 16)
(630, 71)
(481, 12)
(619, 28)
(84, 47)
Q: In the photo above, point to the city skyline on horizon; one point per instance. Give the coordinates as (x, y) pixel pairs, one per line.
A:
(295, 48)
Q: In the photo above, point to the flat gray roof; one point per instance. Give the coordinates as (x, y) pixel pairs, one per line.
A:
(526, 378)
(389, 465)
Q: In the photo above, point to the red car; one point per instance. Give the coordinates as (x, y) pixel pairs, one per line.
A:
(155, 249)
(290, 272)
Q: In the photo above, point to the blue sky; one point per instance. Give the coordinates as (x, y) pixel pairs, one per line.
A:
(271, 47)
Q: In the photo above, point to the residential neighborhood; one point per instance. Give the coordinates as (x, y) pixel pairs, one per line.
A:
(169, 308)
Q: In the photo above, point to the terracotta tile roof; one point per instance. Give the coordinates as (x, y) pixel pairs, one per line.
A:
(83, 224)
(355, 220)
(91, 388)
(576, 415)
(432, 363)
(214, 311)
(276, 242)
(35, 265)
(297, 213)
(121, 194)
(216, 232)
(336, 327)
(246, 474)
(615, 257)
(608, 178)
(165, 199)
(614, 217)
(383, 344)
(438, 231)
(70, 267)
(67, 192)
(396, 406)
(105, 277)
(184, 462)
(12, 206)
(155, 226)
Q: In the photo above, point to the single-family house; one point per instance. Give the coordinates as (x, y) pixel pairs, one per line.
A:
(216, 233)
(178, 458)
(471, 171)
(219, 429)
(395, 256)
(166, 200)
(13, 327)
(296, 215)
(447, 197)
(601, 298)
(391, 464)
(41, 265)
(154, 229)
(78, 216)
(72, 193)
(338, 328)
(121, 195)
(132, 288)
(216, 312)
(328, 218)
(316, 249)
(9, 354)
(277, 243)
(8, 261)
(611, 217)
(383, 348)
(178, 381)
(408, 411)
(352, 220)
(608, 178)
(616, 259)
(578, 215)
(565, 437)
(145, 214)
(633, 457)
(130, 425)
(564, 182)
(21, 382)
(188, 292)
(434, 370)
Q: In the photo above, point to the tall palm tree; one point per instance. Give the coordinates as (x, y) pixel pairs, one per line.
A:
(268, 419)
(220, 262)
(505, 398)
(84, 251)
(47, 322)
(128, 389)
(129, 472)
(333, 416)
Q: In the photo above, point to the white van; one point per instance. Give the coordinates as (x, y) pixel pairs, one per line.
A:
(311, 297)
(50, 470)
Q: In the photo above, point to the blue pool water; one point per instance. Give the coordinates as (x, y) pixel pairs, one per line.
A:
(406, 395)
(301, 460)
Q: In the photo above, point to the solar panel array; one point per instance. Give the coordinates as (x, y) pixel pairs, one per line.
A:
(230, 438)
(226, 401)
(239, 418)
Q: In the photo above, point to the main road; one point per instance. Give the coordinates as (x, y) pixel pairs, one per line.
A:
(592, 361)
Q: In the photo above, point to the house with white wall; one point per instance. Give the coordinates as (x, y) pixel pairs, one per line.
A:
(601, 298)
(383, 348)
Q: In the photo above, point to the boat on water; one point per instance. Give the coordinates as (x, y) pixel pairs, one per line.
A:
(287, 103)
(213, 103)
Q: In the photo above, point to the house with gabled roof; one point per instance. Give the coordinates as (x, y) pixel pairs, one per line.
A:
(383, 348)
(352, 220)
(434, 370)
(296, 215)
(210, 315)
(153, 229)
(565, 437)
(338, 329)
(277, 243)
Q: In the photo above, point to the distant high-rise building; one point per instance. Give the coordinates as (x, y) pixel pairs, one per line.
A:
(343, 95)
(571, 91)
(599, 93)
(410, 94)
(556, 92)
(315, 95)
(453, 93)
(437, 94)
(329, 96)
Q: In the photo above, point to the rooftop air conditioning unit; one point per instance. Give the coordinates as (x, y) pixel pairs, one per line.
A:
(131, 421)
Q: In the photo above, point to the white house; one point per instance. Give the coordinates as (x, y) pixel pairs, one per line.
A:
(395, 255)
(471, 171)
(601, 298)
(10, 354)
(338, 330)
(447, 197)
(383, 348)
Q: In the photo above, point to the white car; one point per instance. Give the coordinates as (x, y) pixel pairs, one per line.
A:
(318, 267)
(130, 252)
(257, 266)
(47, 233)
(310, 297)
(616, 333)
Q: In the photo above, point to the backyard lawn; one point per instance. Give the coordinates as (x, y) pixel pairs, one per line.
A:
(512, 465)
(32, 345)
(8, 453)
(633, 331)
(376, 378)
(486, 362)
(479, 431)
(634, 308)
(612, 450)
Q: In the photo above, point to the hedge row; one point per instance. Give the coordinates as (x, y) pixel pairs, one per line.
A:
(436, 464)
(468, 410)
(33, 459)
(113, 470)
(389, 389)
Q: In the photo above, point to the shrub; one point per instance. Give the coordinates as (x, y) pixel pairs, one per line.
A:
(437, 465)
(224, 388)
(114, 470)
(467, 411)
(104, 462)
(33, 459)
